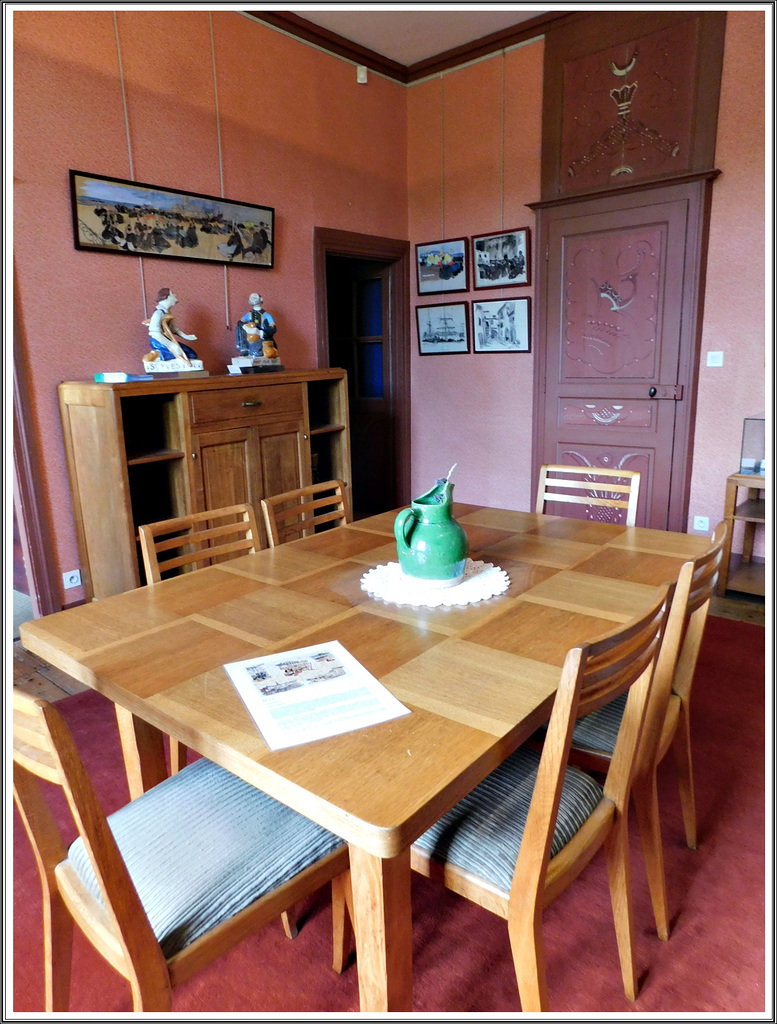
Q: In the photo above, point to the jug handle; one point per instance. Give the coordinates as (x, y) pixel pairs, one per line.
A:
(399, 528)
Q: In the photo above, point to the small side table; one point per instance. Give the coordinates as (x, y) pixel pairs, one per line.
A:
(747, 576)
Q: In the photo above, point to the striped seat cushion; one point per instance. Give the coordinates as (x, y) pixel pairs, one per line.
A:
(203, 845)
(482, 834)
(599, 730)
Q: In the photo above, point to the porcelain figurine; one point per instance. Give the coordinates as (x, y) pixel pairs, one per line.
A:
(257, 340)
(167, 353)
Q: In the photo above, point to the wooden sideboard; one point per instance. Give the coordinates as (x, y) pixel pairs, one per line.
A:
(144, 451)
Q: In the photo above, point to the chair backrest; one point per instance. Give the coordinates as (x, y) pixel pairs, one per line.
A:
(300, 512)
(43, 748)
(593, 674)
(598, 489)
(695, 589)
(202, 538)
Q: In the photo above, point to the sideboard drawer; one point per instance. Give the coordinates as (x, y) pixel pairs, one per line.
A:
(273, 401)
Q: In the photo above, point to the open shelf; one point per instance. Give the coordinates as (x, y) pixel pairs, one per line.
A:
(160, 456)
(751, 511)
(740, 572)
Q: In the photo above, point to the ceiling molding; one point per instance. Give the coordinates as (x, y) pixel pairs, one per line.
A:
(306, 30)
(486, 45)
(330, 41)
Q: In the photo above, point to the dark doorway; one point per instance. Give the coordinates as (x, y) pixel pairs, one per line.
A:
(359, 341)
(361, 289)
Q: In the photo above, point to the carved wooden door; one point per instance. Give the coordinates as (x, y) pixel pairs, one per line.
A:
(618, 341)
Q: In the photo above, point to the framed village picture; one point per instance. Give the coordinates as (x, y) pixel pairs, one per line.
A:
(501, 325)
(502, 259)
(136, 219)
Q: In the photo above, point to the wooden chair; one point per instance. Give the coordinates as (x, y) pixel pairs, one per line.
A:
(668, 723)
(194, 541)
(198, 539)
(525, 833)
(155, 887)
(601, 489)
(297, 513)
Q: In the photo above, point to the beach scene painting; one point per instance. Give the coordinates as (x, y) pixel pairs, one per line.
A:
(136, 219)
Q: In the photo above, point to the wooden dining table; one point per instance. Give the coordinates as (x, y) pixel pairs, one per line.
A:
(478, 680)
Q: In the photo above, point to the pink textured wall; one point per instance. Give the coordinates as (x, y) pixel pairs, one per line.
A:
(473, 163)
(453, 156)
(734, 310)
(302, 139)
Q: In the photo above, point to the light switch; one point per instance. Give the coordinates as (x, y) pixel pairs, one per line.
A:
(714, 359)
(361, 74)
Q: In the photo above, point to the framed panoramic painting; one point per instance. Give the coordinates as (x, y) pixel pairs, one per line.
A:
(136, 219)
(502, 259)
(442, 330)
(501, 325)
(442, 266)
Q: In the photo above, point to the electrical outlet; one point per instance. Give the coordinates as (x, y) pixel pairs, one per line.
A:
(71, 579)
(701, 523)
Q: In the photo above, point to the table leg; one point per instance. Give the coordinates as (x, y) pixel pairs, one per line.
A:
(384, 931)
(144, 752)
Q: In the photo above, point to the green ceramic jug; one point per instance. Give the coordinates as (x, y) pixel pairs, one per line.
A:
(430, 543)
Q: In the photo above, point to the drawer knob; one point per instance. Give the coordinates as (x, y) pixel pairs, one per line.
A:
(247, 404)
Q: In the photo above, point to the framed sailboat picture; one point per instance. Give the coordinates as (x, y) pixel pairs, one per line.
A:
(443, 329)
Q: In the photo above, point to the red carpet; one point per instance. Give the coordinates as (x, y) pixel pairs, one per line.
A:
(713, 962)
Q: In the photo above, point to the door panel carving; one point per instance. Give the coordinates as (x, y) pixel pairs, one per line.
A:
(628, 109)
(617, 415)
(611, 288)
(629, 97)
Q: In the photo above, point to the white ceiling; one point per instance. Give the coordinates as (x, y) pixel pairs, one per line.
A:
(409, 36)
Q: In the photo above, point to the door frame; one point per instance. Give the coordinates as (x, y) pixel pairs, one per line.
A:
(396, 253)
(700, 205)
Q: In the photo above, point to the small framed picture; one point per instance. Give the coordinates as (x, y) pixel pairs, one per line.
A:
(442, 266)
(503, 325)
(502, 259)
(442, 330)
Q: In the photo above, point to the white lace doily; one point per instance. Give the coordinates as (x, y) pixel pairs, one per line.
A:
(481, 581)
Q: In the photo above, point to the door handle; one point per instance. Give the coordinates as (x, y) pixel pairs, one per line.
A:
(247, 404)
(674, 392)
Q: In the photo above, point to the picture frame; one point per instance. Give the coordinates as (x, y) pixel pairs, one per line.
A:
(501, 259)
(443, 329)
(442, 266)
(134, 218)
(502, 325)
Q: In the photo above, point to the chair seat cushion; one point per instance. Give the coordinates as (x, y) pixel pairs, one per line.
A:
(482, 833)
(203, 845)
(599, 730)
